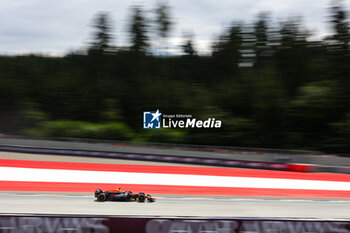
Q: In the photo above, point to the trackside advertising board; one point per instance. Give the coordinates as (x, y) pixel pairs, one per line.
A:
(100, 224)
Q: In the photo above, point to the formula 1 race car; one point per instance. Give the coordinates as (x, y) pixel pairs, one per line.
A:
(119, 195)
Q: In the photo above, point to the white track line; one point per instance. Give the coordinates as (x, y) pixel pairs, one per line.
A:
(77, 176)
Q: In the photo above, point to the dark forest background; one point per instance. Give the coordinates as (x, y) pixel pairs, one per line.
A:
(269, 84)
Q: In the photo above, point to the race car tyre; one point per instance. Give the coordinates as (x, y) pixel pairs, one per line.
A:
(141, 198)
(101, 197)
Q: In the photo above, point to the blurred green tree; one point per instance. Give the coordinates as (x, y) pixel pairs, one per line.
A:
(138, 30)
(226, 51)
(340, 25)
(261, 38)
(163, 20)
(102, 36)
(188, 47)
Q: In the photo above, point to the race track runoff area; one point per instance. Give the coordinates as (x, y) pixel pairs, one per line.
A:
(38, 186)
(27, 175)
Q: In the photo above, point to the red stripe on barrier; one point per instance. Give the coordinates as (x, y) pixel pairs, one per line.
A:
(175, 170)
(169, 189)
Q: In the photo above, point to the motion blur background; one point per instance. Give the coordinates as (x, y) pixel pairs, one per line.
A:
(277, 74)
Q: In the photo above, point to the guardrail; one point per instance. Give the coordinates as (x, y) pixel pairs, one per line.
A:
(149, 157)
(246, 154)
(309, 163)
(106, 224)
(188, 147)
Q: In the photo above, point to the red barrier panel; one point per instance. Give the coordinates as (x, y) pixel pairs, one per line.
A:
(300, 167)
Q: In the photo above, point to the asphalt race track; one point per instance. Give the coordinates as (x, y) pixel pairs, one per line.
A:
(11, 203)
